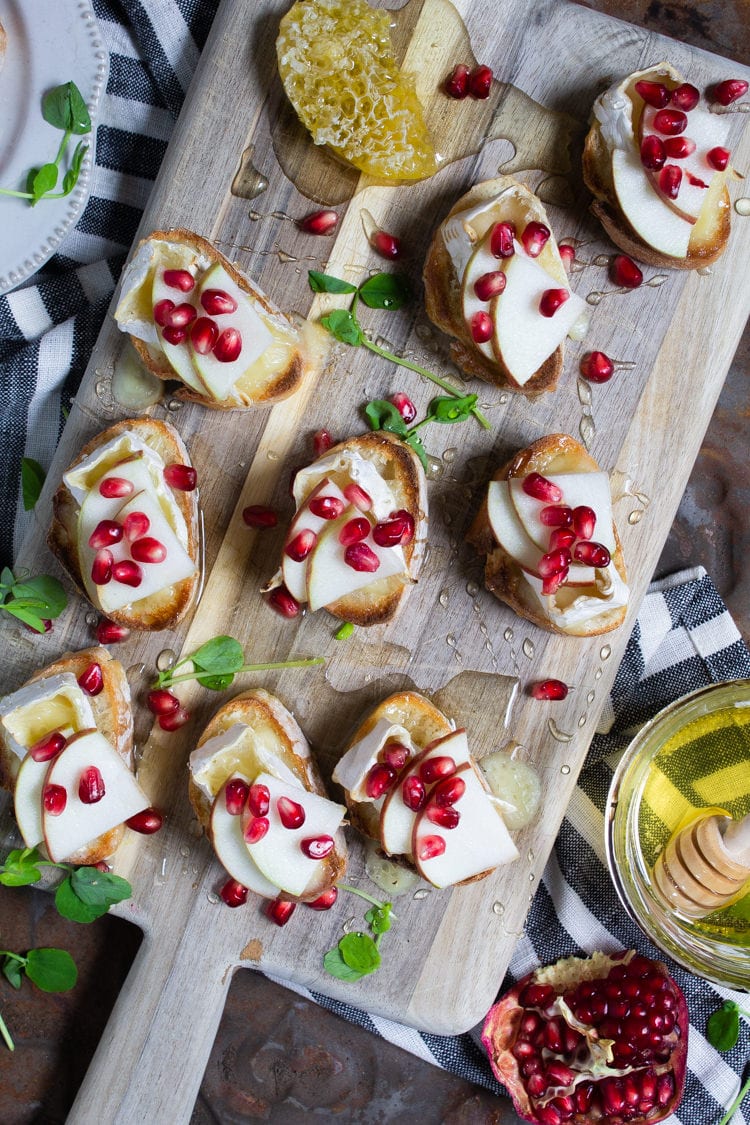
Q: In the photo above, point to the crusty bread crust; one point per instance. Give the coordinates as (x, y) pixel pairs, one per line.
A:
(555, 453)
(259, 706)
(114, 719)
(444, 306)
(168, 607)
(282, 386)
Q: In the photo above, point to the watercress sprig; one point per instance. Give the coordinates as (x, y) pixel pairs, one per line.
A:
(52, 970)
(723, 1025)
(218, 661)
(32, 600)
(63, 107)
(380, 291)
(383, 415)
(85, 894)
(744, 1089)
(358, 954)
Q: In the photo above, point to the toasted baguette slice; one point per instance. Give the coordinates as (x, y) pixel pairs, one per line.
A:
(113, 717)
(165, 608)
(298, 348)
(613, 144)
(272, 727)
(556, 453)
(449, 269)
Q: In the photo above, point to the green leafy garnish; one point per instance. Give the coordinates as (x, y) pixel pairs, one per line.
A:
(84, 894)
(218, 661)
(64, 108)
(344, 632)
(381, 291)
(52, 970)
(736, 1103)
(32, 479)
(32, 600)
(383, 415)
(723, 1025)
(21, 868)
(358, 954)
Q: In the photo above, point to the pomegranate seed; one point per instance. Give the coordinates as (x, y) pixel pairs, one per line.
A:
(358, 497)
(670, 179)
(136, 525)
(448, 791)
(326, 507)
(148, 550)
(91, 679)
(162, 702)
(394, 532)
(255, 829)
(324, 901)
(568, 254)
(127, 572)
(317, 847)
(318, 222)
(379, 780)
(256, 515)
(395, 755)
(48, 747)
(561, 537)
(405, 406)
(435, 769)
(105, 534)
(354, 531)
(729, 90)
(685, 97)
(91, 788)
(695, 181)
(147, 821)
(387, 245)
(592, 554)
(541, 489)
(456, 84)
(596, 367)
(182, 477)
(535, 238)
(174, 334)
(235, 795)
(653, 153)
(217, 302)
(553, 562)
(489, 285)
(258, 799)
(233, 893)
(162, 311)
(623, 271)
(479, 82)
(557, 516)
(718, 158)
(361, 558)
(551, 583)
(670, 122)
(182, 316)
(413, 793)
(551, 300)
(481, 327)
(291, 813)
(110, 633)
(179, 279)
(502, 240)
(280, 911)
(548, 689)
(444, 816)
(430, 846)
(677, 148)
(174, 720)
(101, 568)
(54, 799)
(322, 442)
(115, 487)
(229, 345)
(204, 333)
(584, 521)
(282, 601)
(653, 93)
(536, 995)
(301, 546)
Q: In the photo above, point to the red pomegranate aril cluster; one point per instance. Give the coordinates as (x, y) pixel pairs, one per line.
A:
(182, 477)
(235, 795)
(385, 244)
(502, 239)
(718, 158)
(490, 285)
(233, 893)
(91, 788)
(551, 300)
(655, 94)
(379, 780)
(146, 822)
(396, 531)
(105, 534)
(91, 679)
(463, 82)
(179, 279)
(405, 406)
(670, 179)
(481, 327)
(291, 813)
(541, 489)
(535, 237)
(324, 901)
(48, 747)
(283, 603)
(110, 633)
(319, 222)
(162, 702)
(623, 271)
(728, 91)
(54, 799)
(597, 367)
(361, 558)
(549, 689)
(115, 487)
(435, 769)
(326, 507)
(259, 516)
(354, 531)
(173, 720)
(280, 911)
(302, 545)
(255, 829)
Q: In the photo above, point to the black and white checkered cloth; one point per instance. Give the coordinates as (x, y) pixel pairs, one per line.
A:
(684, 638)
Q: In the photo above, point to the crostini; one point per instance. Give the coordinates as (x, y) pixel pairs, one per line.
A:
(411, 785)
(357, 539)
(192, 315)
(494, 281)
(125, 524)
(66, 754)
(552, 549)
(656, 162)
(257, 793)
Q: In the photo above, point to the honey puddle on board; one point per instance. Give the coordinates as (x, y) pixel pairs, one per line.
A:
(429, 38)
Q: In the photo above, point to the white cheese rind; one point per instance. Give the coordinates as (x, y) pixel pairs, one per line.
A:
(22, 712)
(352, 769)
(235, 737)
(344, 467)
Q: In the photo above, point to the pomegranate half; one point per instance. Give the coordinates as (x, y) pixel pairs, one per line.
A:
(587, 1040)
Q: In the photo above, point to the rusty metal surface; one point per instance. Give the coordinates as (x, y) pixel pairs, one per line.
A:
(278, 1058)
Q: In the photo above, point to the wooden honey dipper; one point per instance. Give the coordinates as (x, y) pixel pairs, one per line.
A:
(705, 865)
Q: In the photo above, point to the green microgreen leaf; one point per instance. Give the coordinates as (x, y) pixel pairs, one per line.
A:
(219, 655)
(70, 906)
(71, 177)
(357, 954)
(6, 1035)
(13, 970)
(343, 325)
(218, 661)
(450, 410)
(334, 963)
(736, 1103)
(99, 888)
(64, 108)
(379, 918)
(20, 868)
(360, 953)
(43, 181)
(325, 283)
(32, 479)
(415, 441)
(723, 1026)
(383, 415)
(344, 632)
(385, 291)
(41, 592)
(52, 970)
(6, 577)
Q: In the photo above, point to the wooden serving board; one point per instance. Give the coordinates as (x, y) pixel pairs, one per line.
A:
(447, 953)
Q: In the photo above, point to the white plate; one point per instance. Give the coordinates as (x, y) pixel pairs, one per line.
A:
(49, 42)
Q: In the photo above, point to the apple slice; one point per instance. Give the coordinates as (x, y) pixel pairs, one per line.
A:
(352, 769)
(479, 842)
(231, 849)
(481, 261)
(293, 572)
(218, 377)
(27, 800)
(578, 489)
(523, 339)
(78, 824)
(507, 527)
(278, 854)
(330, 578)
(652, 219)
(706, 130)
(96, 507)
(178, 355)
